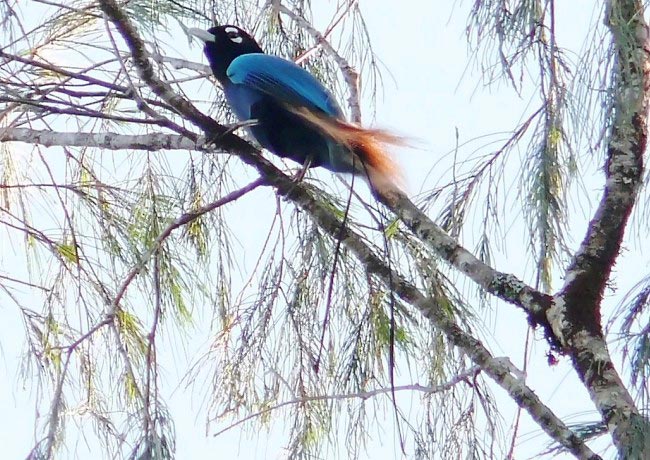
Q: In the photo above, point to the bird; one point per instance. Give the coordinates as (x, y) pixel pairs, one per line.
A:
(291, 114)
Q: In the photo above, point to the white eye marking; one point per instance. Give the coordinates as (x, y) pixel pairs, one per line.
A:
(233, 34)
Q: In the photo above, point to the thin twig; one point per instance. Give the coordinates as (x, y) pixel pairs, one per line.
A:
(461, 377)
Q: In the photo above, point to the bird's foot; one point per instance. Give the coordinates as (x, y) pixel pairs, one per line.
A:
(300, 175)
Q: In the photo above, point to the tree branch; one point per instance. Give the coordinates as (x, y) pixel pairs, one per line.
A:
(505, 286)
(110, 141)
(575, 316)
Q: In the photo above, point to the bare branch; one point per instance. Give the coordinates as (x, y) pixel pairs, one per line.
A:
(503, 285)
(111, 141)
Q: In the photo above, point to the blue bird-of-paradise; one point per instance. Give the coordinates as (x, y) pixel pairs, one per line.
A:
(291, 113)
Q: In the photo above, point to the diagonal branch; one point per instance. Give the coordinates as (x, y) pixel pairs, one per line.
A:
(505, 286)
(503, 373)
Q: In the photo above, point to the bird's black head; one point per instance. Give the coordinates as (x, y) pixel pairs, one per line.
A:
(223, 44)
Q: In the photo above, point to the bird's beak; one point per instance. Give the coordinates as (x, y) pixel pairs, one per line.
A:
(201, 34)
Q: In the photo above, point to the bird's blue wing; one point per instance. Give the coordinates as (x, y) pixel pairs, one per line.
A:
(283, 80)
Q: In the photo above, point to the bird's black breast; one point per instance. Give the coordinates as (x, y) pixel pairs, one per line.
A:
(288, 135)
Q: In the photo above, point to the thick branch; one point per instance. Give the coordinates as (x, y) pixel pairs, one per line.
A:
(502, 285)
(576, 316)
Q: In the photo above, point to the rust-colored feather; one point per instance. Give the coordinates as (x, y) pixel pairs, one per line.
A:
(373, 163)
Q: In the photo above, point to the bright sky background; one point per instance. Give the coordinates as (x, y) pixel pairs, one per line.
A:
(422, 44)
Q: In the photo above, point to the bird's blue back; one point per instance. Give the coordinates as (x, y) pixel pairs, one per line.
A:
(262, 87)
(294, 115)
(284, 81)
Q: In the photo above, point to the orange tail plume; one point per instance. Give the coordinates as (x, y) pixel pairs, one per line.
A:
(372, 161)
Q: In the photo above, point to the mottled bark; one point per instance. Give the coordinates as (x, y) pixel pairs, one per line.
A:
(111, 141)
(576, 316)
